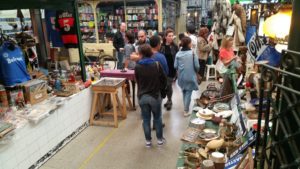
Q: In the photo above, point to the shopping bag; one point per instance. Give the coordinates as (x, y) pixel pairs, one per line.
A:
(221, 68)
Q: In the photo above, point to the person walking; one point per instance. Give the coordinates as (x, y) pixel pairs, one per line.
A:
(169, 49)
(187, 65)
(151, 79)
(191, 31)
(155, 43)
(119, 43)
(203, 49)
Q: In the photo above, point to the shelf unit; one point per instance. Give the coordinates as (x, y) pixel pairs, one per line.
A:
(87, 22)
(142, 17)
(109, 18)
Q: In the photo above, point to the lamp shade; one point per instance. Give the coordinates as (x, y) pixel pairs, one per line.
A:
(278, 25)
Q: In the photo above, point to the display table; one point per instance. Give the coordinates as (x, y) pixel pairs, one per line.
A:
(102, 91)
(129, 75)
(185, 145)
(33, 144)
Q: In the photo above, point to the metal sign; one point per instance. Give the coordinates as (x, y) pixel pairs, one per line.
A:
(255, 47)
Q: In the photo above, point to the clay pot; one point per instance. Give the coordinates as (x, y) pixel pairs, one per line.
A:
(216, 119)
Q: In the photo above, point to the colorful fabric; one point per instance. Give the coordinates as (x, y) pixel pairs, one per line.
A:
(226, 55)
(66, 23)
(53, 33)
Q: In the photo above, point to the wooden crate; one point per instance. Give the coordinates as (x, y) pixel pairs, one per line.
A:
(35, 91)
(72, 87)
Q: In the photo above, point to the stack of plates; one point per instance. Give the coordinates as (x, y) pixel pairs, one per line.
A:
(205, 114)
(218, 107)
(225, 114)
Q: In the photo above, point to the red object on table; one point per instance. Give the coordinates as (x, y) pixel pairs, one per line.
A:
(129, 74)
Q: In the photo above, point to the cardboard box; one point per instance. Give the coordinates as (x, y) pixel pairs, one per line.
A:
(71, 87)
(35, 91)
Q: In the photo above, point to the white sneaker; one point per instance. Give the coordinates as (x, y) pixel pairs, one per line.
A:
(161, 142)
(148, 144)
(187, 114)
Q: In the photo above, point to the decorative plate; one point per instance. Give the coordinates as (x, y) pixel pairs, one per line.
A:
(221, 107)
(225, 114)
(198, 121)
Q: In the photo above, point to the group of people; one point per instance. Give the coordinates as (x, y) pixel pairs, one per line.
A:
(158, 61)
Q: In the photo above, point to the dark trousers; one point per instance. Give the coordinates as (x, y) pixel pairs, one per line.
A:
(202, 64)
(169, 88)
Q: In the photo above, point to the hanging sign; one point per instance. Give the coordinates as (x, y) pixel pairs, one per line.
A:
(255, 47)
(258, 50)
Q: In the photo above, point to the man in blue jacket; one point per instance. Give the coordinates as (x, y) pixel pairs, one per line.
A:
(155, 44)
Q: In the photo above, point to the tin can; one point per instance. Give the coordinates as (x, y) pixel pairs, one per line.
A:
(3, 97)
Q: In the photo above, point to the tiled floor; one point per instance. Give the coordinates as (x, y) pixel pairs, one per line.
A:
(123, 148)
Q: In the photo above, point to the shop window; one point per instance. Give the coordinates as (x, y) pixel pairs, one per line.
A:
(29, 38)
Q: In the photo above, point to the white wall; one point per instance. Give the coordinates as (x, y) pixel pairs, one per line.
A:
(35, 140)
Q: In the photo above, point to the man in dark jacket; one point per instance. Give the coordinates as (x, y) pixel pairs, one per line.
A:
(169, 49)
(119, 43)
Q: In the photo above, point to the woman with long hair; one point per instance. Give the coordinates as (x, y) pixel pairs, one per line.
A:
(187, 66)
(203, 49)
(230, 61)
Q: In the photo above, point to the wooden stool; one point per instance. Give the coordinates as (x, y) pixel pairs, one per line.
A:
(103, 91)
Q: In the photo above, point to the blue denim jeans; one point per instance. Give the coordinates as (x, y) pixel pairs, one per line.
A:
(187, 94)
(150, 105)
(120, 60)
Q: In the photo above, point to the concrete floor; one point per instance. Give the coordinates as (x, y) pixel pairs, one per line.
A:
(124, 148)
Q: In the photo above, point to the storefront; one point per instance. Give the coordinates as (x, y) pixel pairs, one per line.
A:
(99, 20)
(45, 96)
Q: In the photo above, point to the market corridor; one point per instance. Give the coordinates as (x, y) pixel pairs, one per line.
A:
(123, 148)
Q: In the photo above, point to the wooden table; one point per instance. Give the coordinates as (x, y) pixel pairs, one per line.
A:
(102, 91)
(129, 75)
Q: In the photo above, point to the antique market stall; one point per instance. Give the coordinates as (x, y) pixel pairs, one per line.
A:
(45, 98)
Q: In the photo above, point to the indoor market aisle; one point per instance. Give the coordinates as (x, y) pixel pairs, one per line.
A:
(124, 148)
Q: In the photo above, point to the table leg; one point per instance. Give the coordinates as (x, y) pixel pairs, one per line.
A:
(95, 98)
(119, 104)
(124, 113)
(127, 94)
(133, 94)
(113, 95)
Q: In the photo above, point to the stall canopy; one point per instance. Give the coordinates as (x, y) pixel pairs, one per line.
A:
(36, 4)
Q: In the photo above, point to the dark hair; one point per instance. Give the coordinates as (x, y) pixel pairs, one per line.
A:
(154, 41)
(145, 50)
(168, 31)
(185, 42)
(161, 34)
(166, 34)
(181, 35)
(130, 37)
(191, 29)
(202, 32)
